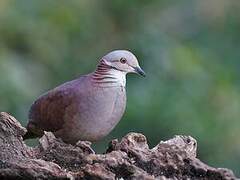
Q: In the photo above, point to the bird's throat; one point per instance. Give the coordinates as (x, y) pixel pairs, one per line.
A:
(106, 76)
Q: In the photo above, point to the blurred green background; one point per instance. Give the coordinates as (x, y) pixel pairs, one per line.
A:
(190, 50)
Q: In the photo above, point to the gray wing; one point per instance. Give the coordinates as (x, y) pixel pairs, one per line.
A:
(47, 113)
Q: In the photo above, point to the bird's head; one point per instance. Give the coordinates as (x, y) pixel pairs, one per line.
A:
(123, 60)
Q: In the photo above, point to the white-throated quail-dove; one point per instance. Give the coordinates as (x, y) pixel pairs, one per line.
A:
(86, 108)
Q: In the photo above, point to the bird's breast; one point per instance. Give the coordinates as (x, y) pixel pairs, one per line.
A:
(99, 112)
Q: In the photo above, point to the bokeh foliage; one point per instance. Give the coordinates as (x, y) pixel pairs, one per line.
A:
(189, 50)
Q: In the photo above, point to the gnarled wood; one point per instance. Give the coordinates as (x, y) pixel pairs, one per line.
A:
(129, 158)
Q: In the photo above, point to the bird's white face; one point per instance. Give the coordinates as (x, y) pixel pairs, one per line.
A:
(124, 61)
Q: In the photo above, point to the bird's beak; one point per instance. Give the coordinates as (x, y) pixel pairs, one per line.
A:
(139, 71)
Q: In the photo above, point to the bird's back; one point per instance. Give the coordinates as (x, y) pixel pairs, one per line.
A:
(47, 112)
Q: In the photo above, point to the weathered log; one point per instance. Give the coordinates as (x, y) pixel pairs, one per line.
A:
(130, 158)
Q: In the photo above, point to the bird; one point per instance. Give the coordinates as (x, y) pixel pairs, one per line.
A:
(88, 107)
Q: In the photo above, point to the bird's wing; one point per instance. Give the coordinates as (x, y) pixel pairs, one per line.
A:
(47, 113)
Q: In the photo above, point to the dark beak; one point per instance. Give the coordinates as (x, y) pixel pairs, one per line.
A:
(139, 71)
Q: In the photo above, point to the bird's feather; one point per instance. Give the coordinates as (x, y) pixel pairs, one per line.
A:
(47, 112)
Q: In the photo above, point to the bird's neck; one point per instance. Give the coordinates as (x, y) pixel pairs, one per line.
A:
(107, 76)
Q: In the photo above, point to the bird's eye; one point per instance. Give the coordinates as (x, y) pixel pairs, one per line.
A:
(123, 60)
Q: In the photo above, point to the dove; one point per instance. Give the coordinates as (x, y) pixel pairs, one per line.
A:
(89, 107)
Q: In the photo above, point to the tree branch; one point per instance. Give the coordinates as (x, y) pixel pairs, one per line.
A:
(129, 158)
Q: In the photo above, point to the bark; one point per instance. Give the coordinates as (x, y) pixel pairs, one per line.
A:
(130, 158)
